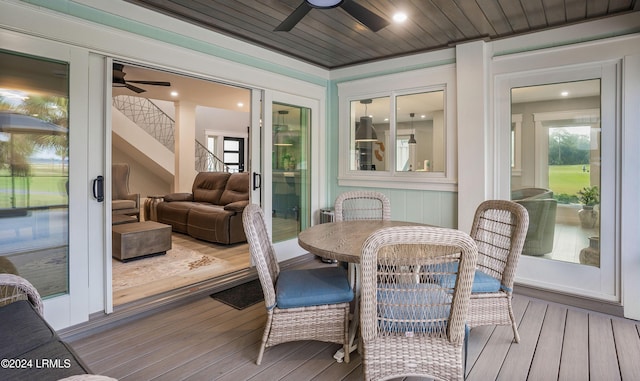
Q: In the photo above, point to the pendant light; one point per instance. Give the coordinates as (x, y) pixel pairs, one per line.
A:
(412, 146)
(412, 138)
(365, 131)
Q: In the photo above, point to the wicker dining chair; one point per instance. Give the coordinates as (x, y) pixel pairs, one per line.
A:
(309, 304)
(362, 205)
(410, 325)
(499, 229)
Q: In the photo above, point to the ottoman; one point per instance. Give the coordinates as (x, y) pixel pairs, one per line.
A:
(139, 239)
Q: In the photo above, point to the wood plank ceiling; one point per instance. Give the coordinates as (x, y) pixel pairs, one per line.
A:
(331, 38)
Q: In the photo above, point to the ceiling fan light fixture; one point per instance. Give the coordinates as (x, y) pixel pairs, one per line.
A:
(324, 4)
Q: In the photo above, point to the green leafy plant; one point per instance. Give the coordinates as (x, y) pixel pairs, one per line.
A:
(589, 196)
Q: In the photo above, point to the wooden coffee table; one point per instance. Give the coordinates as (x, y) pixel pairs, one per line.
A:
(140, 239)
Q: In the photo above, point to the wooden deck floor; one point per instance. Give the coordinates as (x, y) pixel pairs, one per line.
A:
(207, 340)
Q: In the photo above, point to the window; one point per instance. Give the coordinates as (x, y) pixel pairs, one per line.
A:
(397, 131)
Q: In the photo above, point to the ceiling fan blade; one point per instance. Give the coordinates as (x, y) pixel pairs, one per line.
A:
(155, 83)
(294, 18)
(133, 88)
(365, 16)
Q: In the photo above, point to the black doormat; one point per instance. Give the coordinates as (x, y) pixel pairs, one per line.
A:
(241, 296)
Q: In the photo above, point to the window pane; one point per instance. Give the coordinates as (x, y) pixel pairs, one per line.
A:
(370, 134)
(559, 180)
(420, 132)
(231, 145)
(34, 171)
(230, 157)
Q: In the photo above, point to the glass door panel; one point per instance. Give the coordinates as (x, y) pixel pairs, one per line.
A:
(34, 171)
(290, 172)
(559, 178)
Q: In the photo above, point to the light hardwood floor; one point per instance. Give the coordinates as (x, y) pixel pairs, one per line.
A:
(207, 340)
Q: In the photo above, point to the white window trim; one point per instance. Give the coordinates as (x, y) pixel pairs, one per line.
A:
(416, 81)
(516, 170)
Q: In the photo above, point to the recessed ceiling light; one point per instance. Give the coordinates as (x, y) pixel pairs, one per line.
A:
(400, 17)
(423, 116)
(174, 93)
(386, 119)
(240, 104)
(564, 93)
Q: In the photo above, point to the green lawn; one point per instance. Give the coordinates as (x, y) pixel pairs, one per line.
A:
(45, 186)
(568, 179)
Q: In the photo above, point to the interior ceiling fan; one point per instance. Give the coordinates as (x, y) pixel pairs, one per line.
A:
(119, 81)
(357, 11)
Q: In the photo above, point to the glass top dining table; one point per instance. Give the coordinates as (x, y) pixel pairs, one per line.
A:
(343, 240)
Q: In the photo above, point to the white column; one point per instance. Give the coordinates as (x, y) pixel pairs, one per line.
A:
(630, 241)
(474, 176)
(185, 135)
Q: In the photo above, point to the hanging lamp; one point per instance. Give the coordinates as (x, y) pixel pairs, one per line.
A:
(365, 131)
(412, 146)
(412, 138)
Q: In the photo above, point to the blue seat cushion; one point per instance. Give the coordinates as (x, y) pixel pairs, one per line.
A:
(312, 287)
(482, 282)
(413, 307)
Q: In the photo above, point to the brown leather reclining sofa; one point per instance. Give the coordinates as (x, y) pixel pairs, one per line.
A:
(213, 211)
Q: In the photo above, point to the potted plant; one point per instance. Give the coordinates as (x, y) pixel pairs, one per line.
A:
(588, 197)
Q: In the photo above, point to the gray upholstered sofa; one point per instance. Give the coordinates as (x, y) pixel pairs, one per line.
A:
(31, 349)
(212, 211)
(542, 207)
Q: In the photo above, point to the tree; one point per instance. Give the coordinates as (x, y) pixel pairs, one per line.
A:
(54, 110)
(567, 148)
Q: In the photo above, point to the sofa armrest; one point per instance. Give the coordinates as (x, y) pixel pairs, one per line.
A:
(14, 288)
(133, 197)
(178, 197)
(237, 206)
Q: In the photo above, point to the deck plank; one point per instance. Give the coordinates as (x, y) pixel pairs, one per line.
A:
(574, 362)
(603, 361)
(628, 349)
(313, 366)
(546, 359)
(518, 360)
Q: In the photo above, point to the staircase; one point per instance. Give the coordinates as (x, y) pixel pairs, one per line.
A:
(144, 126)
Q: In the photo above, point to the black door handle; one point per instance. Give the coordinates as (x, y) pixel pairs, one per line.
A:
(257, 180)
(98, 188)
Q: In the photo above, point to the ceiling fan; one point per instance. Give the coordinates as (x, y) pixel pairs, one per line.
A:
(119, 81)
(357, 11)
